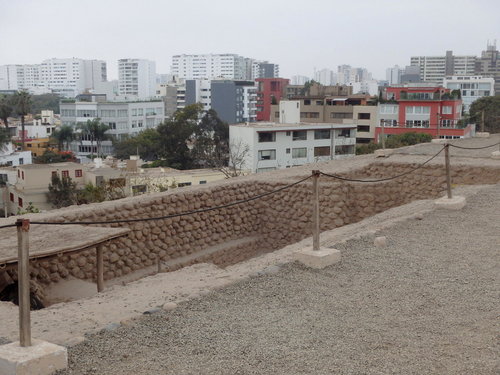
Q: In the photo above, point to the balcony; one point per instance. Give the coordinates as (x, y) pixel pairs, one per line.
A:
(344, 141)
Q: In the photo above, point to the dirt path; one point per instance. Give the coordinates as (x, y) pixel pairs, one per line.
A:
(425, 304)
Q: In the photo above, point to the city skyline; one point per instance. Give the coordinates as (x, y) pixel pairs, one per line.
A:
(282, 32)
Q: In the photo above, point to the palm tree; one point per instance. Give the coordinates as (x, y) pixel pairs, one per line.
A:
(5, 109)
(63, 135)
(22, 102)
(95, 131)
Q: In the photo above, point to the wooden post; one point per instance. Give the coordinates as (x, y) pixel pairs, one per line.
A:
(316, 224)
(100, 268)
(23, 281)
(448, 172)
(158, 260)
(482, 120)
(382, 133)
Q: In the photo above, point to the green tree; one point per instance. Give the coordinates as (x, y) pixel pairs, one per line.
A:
(54, 157)
(6, 109)
(22, 102)
(146, 143)
(211, 142)
(62, 192)
(491, 107)
(63, 137)
(45, 101)
(175, 135)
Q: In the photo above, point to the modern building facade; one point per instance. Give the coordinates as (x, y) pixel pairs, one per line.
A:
(471, 88)
(269, 91)
(277, 146)
(424, 109)
(123, 118)
(264, 69)
(234, 101)
(65, 77)
(136, 79)
(436, 68)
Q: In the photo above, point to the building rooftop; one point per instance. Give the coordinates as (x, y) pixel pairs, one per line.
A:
(301, 124)
(51, 165)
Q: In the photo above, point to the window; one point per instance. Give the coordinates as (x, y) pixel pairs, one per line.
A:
(22, 175)
(307, 102)
(386, 123)
(78, 173)
(344, 150)
(340, 115)
(309, 114)
(299, 153)
(20, 202)
(181, 184)
(322, 151)
(267, 154)
(447, 110)
(363, 128)
(287, 150)
(288, 134)
(299, 135)
(112, 125)
(134, 111)
(276, 114)
(267, 137)
(346, 133)
(18, 173)
(65, 174)
(54, 174)
(11, 197)
(322, 134)
(363, 116)
(203, 182)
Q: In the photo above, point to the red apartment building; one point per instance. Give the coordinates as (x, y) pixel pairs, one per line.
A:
(269, 88)
(424, 109)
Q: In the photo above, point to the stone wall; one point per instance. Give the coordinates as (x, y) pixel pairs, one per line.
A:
(229, 235)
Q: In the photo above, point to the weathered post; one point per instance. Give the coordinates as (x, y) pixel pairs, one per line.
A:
(382, 133)
(23, 281)
(158, 263)
(316, 224)
(448, 172)
(100, 268)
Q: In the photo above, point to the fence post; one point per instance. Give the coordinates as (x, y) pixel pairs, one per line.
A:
(383, 133)
(448, 172)
(100, 268)
(316, 224)
(23, 281)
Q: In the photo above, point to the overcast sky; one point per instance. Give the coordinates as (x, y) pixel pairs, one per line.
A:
(298, 35)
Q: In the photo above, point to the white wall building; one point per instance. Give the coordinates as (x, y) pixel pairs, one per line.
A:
(299, 80)
(230, 66)
(10, 157)
(136, 79)
(66, 77)
(435, 68)
(40, 128)
(365, 87)
(278, 146)
(471, 88)
(326, 77)
(122, 118)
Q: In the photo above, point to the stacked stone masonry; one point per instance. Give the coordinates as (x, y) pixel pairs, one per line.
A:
(229, 235)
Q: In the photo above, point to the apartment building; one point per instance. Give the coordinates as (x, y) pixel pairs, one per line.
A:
(269, 91)
(227, 65)
(277, 146)
(436, 68)
(136, 79)
(471, 88)
(65, 77)
(12, 156)
(488, 65)
(426, 109)
(350, 110)
(122, 118)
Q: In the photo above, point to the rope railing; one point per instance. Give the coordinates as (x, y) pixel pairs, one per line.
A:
(23, 226)
(385, 178)
(474, 148)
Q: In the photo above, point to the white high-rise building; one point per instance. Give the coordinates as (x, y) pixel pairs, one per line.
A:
(66, 77)
(136, 78)
(326, 77)
(435, 68)
(393, 75)
(299, 80)
(264, 69)
(227, 65)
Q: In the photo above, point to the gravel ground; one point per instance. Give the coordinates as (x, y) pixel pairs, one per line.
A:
(425, 304)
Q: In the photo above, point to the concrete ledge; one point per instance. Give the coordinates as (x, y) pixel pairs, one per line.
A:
(42, 358)
(453, 203)
(495, 155)
(318, 259)
(383, 152)
(439, 140)
(482, 135)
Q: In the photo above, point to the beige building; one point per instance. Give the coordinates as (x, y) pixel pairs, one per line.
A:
(33, 181)
(349, 110)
